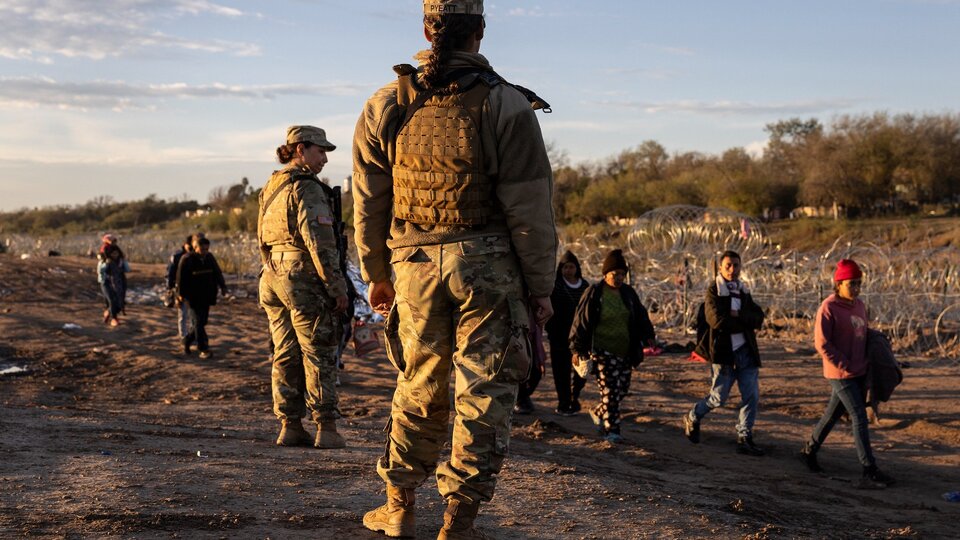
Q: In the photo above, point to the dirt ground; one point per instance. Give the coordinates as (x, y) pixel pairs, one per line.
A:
(113, 435)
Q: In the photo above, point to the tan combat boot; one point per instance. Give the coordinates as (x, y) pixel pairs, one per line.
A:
(292, 433)
(396, 518)
(458, 522)
(327, 436)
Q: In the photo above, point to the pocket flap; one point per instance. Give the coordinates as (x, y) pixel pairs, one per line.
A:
(484, 246)
(392, 343)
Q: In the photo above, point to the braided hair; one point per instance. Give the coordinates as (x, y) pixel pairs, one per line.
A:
(448, 33)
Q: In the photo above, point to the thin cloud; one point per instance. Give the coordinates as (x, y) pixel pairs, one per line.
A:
(29, 92)
(101, 141)
(726, 108)
(583, 126)
(40, 30)
(656, 74)
(522, 12)
(670, 49)
(934, 2)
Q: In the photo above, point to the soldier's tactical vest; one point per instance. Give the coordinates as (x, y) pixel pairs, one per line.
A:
(277, 226)
(438, 176)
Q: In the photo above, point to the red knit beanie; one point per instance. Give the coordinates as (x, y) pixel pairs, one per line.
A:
(847, 269)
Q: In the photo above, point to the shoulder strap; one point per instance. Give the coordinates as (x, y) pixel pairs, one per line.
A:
(269, 201)
(283, 185)
(536, 101)
(411, 96)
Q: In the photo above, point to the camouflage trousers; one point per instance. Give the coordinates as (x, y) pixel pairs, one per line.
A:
(459, 308)
(305, 339)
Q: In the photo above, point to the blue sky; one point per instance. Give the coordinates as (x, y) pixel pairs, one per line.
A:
(131, 97)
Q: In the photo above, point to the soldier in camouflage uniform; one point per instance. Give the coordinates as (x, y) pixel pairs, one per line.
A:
(452, 194)
(302, 288)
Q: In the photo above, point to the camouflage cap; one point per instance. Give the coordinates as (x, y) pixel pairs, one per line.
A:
(448, 7)
(310, 134)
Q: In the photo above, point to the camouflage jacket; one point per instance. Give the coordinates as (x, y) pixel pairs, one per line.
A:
(514, 156)
(306, 226)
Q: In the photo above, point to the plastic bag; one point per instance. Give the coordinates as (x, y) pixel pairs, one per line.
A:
(583, 366)
(365, 340)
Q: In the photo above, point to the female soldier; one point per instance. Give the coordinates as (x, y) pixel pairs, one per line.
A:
(452, 196)
(612, 327)
(302, 287)
(840, 336)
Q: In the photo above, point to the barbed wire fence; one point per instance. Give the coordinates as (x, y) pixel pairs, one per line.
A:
(912, 295)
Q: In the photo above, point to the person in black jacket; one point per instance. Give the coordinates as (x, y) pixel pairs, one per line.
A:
(729, 343)
(567, 290)
(198, 278)
(611, 326)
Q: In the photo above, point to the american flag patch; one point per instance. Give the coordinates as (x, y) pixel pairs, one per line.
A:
(323, 220)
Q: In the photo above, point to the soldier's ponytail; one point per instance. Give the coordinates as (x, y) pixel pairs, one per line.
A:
(448, 33)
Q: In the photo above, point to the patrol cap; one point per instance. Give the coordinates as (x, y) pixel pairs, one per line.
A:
(453, 7)
(309, 134)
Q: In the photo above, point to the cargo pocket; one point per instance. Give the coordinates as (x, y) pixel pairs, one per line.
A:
(516, 357)
(393, 344)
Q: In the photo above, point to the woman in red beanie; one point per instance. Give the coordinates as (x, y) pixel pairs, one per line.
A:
(840, 336)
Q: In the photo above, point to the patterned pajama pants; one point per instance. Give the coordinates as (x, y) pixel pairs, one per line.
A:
(613, 378)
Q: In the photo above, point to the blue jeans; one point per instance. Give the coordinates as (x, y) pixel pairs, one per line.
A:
(848, 394)
(746, 374)
(185, 320)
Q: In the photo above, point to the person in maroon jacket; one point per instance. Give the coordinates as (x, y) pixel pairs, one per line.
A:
(840, 336)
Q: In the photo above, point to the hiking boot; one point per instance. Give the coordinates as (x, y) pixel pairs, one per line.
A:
(327, 436)
(524, 405)
(745, 446)
(205, 354)
(395, 519)
(292, 433)
(575, 406)
(808, 455)
(186, 348)
(874, 478)
(691, 429)
(458, 522)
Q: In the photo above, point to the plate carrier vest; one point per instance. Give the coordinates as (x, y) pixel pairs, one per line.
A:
(438, 176)
(277, 226)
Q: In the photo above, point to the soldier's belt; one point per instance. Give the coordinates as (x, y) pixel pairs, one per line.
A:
(286, 255)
